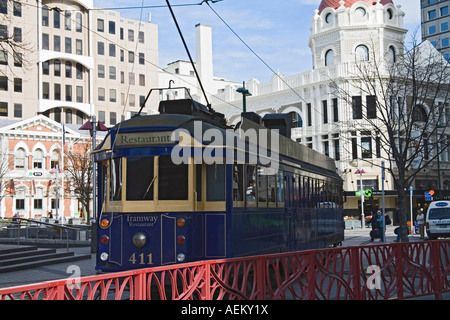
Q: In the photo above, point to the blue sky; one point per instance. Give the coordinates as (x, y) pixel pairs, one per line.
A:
(278, 31)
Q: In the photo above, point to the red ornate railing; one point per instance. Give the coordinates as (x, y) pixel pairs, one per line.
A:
(375, 272)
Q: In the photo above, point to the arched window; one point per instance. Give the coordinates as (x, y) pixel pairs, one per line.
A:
(19, 161)
(391, 54)
(362, 53)
(329, 58)
(38, 159)
(297, 121)
(420, 114)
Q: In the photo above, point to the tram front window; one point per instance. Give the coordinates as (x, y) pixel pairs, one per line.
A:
(141, 179)
(172, 180)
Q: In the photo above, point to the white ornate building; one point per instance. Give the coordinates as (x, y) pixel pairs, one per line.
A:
(342, 32)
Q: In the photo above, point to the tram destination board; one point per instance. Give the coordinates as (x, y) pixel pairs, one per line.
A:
(143, 138)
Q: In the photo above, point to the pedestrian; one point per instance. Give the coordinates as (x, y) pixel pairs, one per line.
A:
(420, 219)
(380, 224)
(374, 225)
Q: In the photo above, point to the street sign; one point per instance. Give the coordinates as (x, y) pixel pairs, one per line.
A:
(35, 174)
(368, 193)
(428, 196)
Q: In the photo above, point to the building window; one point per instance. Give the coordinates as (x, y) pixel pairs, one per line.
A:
(101, 71)
(362, 53)
(3, 83)
(68, 45)
(57, 43)
(325, 111)
(391, 54)
(112, 73)
(68, 92)
(3, 109)
(445, 42)
(444, 26)
(45, 41)
(56, 18)
(329, 58)
(131, 35)
(17, 85)
(112, 27)
(431, 29)
(366, 145)
(100, 25)
(45, 14)
(17, 59)
(68, 69)
(17, 110)
(38, 159)
(45, 90)
(79, 68)
(141, 37)
(19, 159)
(431, 14)
(142, 80)
(357, 107)
(444, 11)
(371, 104)
(46, 67)
(112, 118)
(101, 94)
(101, 48)
(69, 116)
(79, 94)
(335, 110)
(79, 47)
(112, 95)
(17, 34)
(57, 68)
(68, 20)
(79, 22)
(17, 9)
(112, 50)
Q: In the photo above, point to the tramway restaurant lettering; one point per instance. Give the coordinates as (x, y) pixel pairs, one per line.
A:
(143, 138)
(142, 221)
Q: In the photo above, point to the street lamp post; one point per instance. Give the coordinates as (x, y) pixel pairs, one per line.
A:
(245, 94)
(94, 126)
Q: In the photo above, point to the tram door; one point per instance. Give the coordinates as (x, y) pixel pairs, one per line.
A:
(290, 210)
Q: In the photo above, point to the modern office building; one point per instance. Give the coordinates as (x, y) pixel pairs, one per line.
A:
(70, 61)
(436, 24)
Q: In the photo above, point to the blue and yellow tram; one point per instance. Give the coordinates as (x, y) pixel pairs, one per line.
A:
(172, 189)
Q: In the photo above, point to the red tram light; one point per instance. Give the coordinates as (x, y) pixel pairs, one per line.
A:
(181, 240)
(104, 239)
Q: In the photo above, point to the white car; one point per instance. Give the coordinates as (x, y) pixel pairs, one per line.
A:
(438, 219)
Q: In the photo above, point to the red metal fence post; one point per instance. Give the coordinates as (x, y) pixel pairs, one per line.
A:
(398, 250)
(435, 258)
(261, 278)
(354, 263)
(207, 278)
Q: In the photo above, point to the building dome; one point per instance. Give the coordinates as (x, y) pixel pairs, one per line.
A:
(348, 3)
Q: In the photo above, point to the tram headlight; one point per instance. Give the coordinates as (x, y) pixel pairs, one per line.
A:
(139, 240)
(181, 257)
(104, 256)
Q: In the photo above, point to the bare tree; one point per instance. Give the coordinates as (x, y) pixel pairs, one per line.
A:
(78, 167)
(12, 37)
(407, 111)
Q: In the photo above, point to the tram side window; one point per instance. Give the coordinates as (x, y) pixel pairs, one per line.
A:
(250, 186)
(238, 185)
(172, 180)
(262, 188)
(140, 178)
(272, 190)
(116, 180)
(215, 182)
(280, 189)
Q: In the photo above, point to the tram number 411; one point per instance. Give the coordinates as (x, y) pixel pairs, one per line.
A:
(141, 258)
